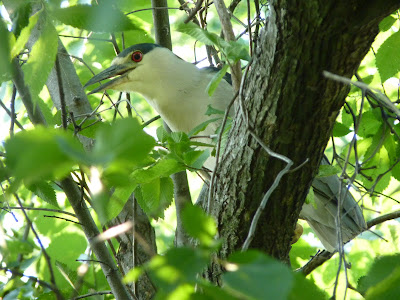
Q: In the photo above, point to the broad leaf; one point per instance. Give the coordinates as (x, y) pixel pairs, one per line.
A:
(5, 60)
(340, 129)
(198, 225)
(41, 59)
(383, 269)
(124, 143)
(387, 58)
(176, 267)
(255, 276)
(154, 197)
(25, 34)
(39, 154)
(104, 17)
(45, 191)
(213, 84)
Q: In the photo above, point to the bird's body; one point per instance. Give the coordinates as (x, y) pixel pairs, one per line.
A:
(176, 89)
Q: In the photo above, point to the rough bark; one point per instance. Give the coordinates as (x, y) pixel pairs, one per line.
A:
(137, 248)
(292, 108)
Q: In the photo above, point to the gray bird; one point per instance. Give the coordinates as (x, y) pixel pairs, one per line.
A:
(176, 89)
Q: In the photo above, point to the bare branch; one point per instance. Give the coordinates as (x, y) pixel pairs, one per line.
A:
(227, 29)
(46, 256)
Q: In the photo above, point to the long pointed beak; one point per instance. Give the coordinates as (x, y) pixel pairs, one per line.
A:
(113, 71)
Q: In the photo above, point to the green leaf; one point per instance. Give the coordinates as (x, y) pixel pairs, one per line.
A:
(133, 275)
(162, 134)
(176, 267)
(340, 129)
(45, 191)
(236, 50)
(370, 123)
(104, 17)
(66, 248)
(199, 128)
(41, 59)
(49, 226)
(162, 168)
(213, 111)
(396, 171)
(388, 288)
(382, 271)
(18, 246)
(154, 197)
(198, 224)
(301, 251)
(88, 129)
(5, 60)
(386, 23)
(101, 204)
(305, 289)
(387, 58)
(195, 159)
(328, 170)
(212, 292)
(377, 160)
(69, 275)
(25, 34)
(213, 84)
(118, 200)
(257, 275)
(310, 199)
(20, 16)
(232, 50)
(38, 154)
(200, 34)
(124, 143)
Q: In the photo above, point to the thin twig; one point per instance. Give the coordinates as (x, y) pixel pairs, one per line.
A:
(249, 27)
(92, 294)
(38, 208)
(382, 99)
(147, 123)
(61, 218)
(45, 254)
(12, 107)
(384, 218)
(267, 195)
(227, 29)
(194, 11)
(33, 278)
(212, 181)
(10, 114)
(34, 113)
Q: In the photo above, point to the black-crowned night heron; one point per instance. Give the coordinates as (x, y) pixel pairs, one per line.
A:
(176, 89)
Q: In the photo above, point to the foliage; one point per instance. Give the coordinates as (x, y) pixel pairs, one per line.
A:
(128, 157)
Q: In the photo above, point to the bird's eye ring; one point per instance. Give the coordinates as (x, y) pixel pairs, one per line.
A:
(137, 56)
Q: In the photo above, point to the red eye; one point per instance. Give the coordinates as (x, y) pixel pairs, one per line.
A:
(137, 56)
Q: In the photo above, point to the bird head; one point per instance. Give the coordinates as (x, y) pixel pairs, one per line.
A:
(123, 70)
(176, 89)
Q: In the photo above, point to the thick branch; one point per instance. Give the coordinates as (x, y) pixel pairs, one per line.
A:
(90, 229)
(181, 185)
(292, 109)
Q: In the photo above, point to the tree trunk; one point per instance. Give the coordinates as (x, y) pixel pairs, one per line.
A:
(292, 109)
